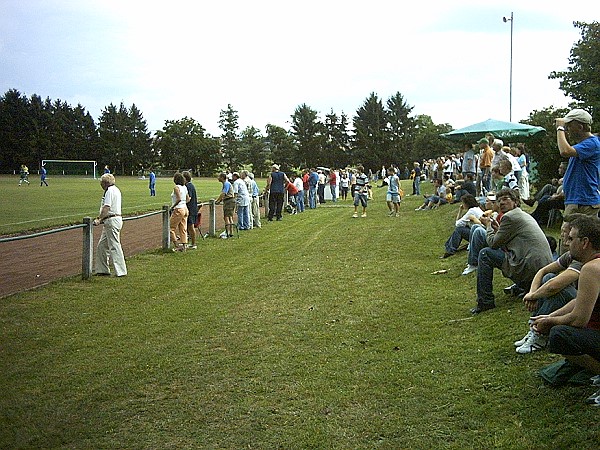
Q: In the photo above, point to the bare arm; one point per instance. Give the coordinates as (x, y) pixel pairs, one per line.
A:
(561, 139)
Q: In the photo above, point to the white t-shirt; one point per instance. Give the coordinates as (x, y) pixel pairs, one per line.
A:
(183, 192)
(242, 197)
(464, 220)
(112, 198)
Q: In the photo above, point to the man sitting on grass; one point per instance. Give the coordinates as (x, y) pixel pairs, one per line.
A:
(517, 245)
(574, 329)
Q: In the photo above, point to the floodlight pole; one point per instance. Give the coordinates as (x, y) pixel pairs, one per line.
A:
(505, 19)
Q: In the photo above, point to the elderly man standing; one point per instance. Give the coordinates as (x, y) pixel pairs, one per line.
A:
(276, 184)
(109, 245)
(581, 181)
(517, 245)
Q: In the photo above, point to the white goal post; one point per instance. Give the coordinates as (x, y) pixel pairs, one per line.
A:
(70, 167)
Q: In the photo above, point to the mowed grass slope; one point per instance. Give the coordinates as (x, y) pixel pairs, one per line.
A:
(320, 331)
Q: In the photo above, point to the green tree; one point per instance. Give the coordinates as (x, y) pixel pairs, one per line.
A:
(336, 146)
(254, 149)
(15, 132)
(427, 141)
(401, 128)
(309, 133)
(183, 144)
(141, 144)
(281, 147)
(544, 155)
(372, 134)
(228, 122)
(581, 81)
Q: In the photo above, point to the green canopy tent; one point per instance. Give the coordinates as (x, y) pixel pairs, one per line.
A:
(507, 131)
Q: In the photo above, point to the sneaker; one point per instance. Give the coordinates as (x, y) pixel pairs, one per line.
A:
(535, 342)
(192, 247)
(524, 339)
(391, 213)
(397, 215)
(594, 399)
(355, 215)
(469, 269)
(363, 215)
(419, 209)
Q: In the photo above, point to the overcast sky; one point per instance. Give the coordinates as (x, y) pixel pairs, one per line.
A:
(449, 59)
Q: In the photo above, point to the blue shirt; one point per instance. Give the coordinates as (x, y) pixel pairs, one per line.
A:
(582, 179)
(152, 179)
(276, 182)
(313, 179)
(393, 184)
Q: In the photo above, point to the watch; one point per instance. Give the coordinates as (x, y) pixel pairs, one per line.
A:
(560, 128)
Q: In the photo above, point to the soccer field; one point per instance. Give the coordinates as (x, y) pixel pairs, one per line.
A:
(68, 199)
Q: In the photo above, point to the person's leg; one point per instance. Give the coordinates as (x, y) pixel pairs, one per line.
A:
(191, 231)
(272, 206)
(182, 227)
(456, 238)
(488, 260)
(113, 234)
(477, 242)
(550, 304)
(102, 253)
(173, 222)
(580, 346)
(279, 205)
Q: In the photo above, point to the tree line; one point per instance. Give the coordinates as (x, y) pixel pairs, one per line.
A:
(379, 133)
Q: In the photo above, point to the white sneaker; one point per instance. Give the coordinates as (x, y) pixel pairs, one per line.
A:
(525, 339)
(534, 343)
(355, 215)
(469, 269)
(363, 215)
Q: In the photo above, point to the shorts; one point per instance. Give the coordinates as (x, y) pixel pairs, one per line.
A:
(362, 198)
(228, 207)
(394, 198)
(192, 218)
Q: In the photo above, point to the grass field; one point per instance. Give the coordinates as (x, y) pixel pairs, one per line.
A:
(320, 331)
(68, 199)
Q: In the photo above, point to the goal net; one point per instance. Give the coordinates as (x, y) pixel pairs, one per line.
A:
(56, 167)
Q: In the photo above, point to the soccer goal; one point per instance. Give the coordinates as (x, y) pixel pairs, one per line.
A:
(70, 167)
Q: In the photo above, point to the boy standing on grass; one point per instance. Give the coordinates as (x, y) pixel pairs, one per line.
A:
(393, 193)
(361, 192)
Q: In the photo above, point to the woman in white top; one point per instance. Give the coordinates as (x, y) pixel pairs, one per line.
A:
(179, 213)
(464, 220)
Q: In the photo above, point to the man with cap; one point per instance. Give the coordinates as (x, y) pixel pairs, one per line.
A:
(581, 181)
(485, 164)
(276, 186)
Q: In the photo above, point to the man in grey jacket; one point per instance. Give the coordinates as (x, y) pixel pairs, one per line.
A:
(517, 246)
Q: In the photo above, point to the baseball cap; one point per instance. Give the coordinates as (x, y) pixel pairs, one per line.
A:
(275, 166)
(579, 115)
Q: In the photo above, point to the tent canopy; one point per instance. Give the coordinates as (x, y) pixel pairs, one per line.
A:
(507, 131)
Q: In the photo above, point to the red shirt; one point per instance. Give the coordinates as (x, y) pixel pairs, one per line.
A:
(292, 190)
(332, 178)
(305, 181)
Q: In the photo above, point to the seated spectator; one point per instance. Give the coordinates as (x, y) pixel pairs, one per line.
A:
(468, 213)
(552, 288)
(510, 180)
(547, 203)
(467, 186)
(517, 245)
(478, 234)
(439, 198)
(574, 330)
(547, 190)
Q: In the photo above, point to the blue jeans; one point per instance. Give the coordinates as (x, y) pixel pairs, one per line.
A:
(477, 242)
(489, 258)
(332, 188)
(312, 197)
(300, 201)
(486, 180)
(417, 186)
(572, 341)
(455, 239)
(547, 305)
(243, 218)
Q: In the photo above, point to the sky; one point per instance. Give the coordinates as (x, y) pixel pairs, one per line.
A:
(191, 58)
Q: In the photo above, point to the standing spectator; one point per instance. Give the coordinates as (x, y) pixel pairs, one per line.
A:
(43, 174)
(485, 163)
(416, 178)
(152, 183)
(333, 185)
(299, 184)
(469, 163)
(313, 180)
(24, 175)
(109, 245)
(276, 187)
(524, 179)
(179, 214)
(226, 196)
(321, 187)
(305, 184)
(517, 245)
(361, 191)
(242, 201)
(344, 185)
(192, 206)
(581, 181)
(255, 201)
(393, 193)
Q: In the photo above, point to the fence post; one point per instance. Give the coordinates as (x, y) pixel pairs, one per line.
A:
(266, 202)
(88, 252)
(212, 218)
(166, 237)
